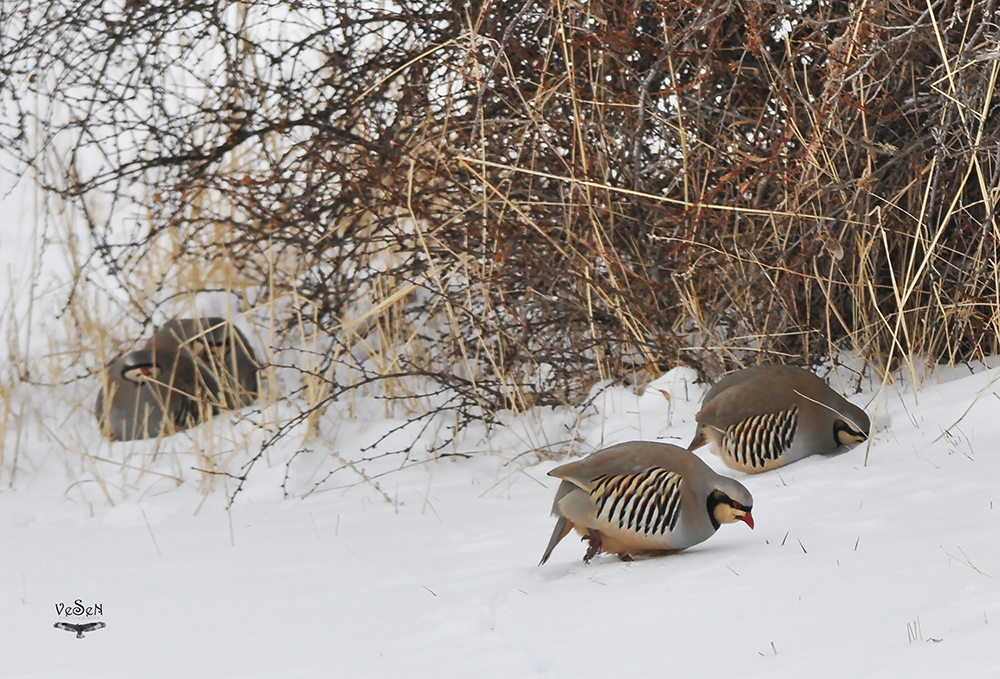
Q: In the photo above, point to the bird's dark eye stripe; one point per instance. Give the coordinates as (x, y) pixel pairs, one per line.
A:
(735, 505)
(144, 368)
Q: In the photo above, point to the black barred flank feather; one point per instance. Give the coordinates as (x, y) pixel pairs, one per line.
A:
(647, 503)
(761, 439)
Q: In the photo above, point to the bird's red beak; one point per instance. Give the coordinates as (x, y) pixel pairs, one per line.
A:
(747, 519)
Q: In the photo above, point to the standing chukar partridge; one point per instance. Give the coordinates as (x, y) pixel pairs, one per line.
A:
(643, 497)
(147, 395)
(222, 348)
(765, 417)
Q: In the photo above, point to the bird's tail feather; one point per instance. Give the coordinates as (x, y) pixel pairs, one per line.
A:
(563, 526)
(698, 441)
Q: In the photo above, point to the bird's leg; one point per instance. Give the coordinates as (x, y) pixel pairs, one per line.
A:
(594, 538)
(625, 557)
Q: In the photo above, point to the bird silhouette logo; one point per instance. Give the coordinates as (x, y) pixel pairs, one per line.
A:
(81, 628)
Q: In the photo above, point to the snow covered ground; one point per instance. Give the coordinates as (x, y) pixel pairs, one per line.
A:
(883, 569)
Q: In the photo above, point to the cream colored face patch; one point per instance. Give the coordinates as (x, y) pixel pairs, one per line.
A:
(725, 513)
(142, 374)
(846, 437)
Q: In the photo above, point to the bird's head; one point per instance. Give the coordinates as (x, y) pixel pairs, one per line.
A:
(850, 423)
(730, 504)
(852, 426)
(139, 367)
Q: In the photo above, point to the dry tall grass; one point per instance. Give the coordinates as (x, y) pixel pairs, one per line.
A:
(477, 207)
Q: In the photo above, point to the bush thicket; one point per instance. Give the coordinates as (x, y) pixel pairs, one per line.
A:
(515, 200)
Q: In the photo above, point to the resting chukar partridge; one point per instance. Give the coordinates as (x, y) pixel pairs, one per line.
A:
(144, 398)
(765, 417)
(643, 497)
(222, 348)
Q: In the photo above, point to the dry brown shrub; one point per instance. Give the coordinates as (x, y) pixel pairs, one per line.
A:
(487, 206)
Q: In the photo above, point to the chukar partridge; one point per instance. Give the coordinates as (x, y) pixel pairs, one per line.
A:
(222, 348)
(144, 398)
(644, 498)
(765, 417)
